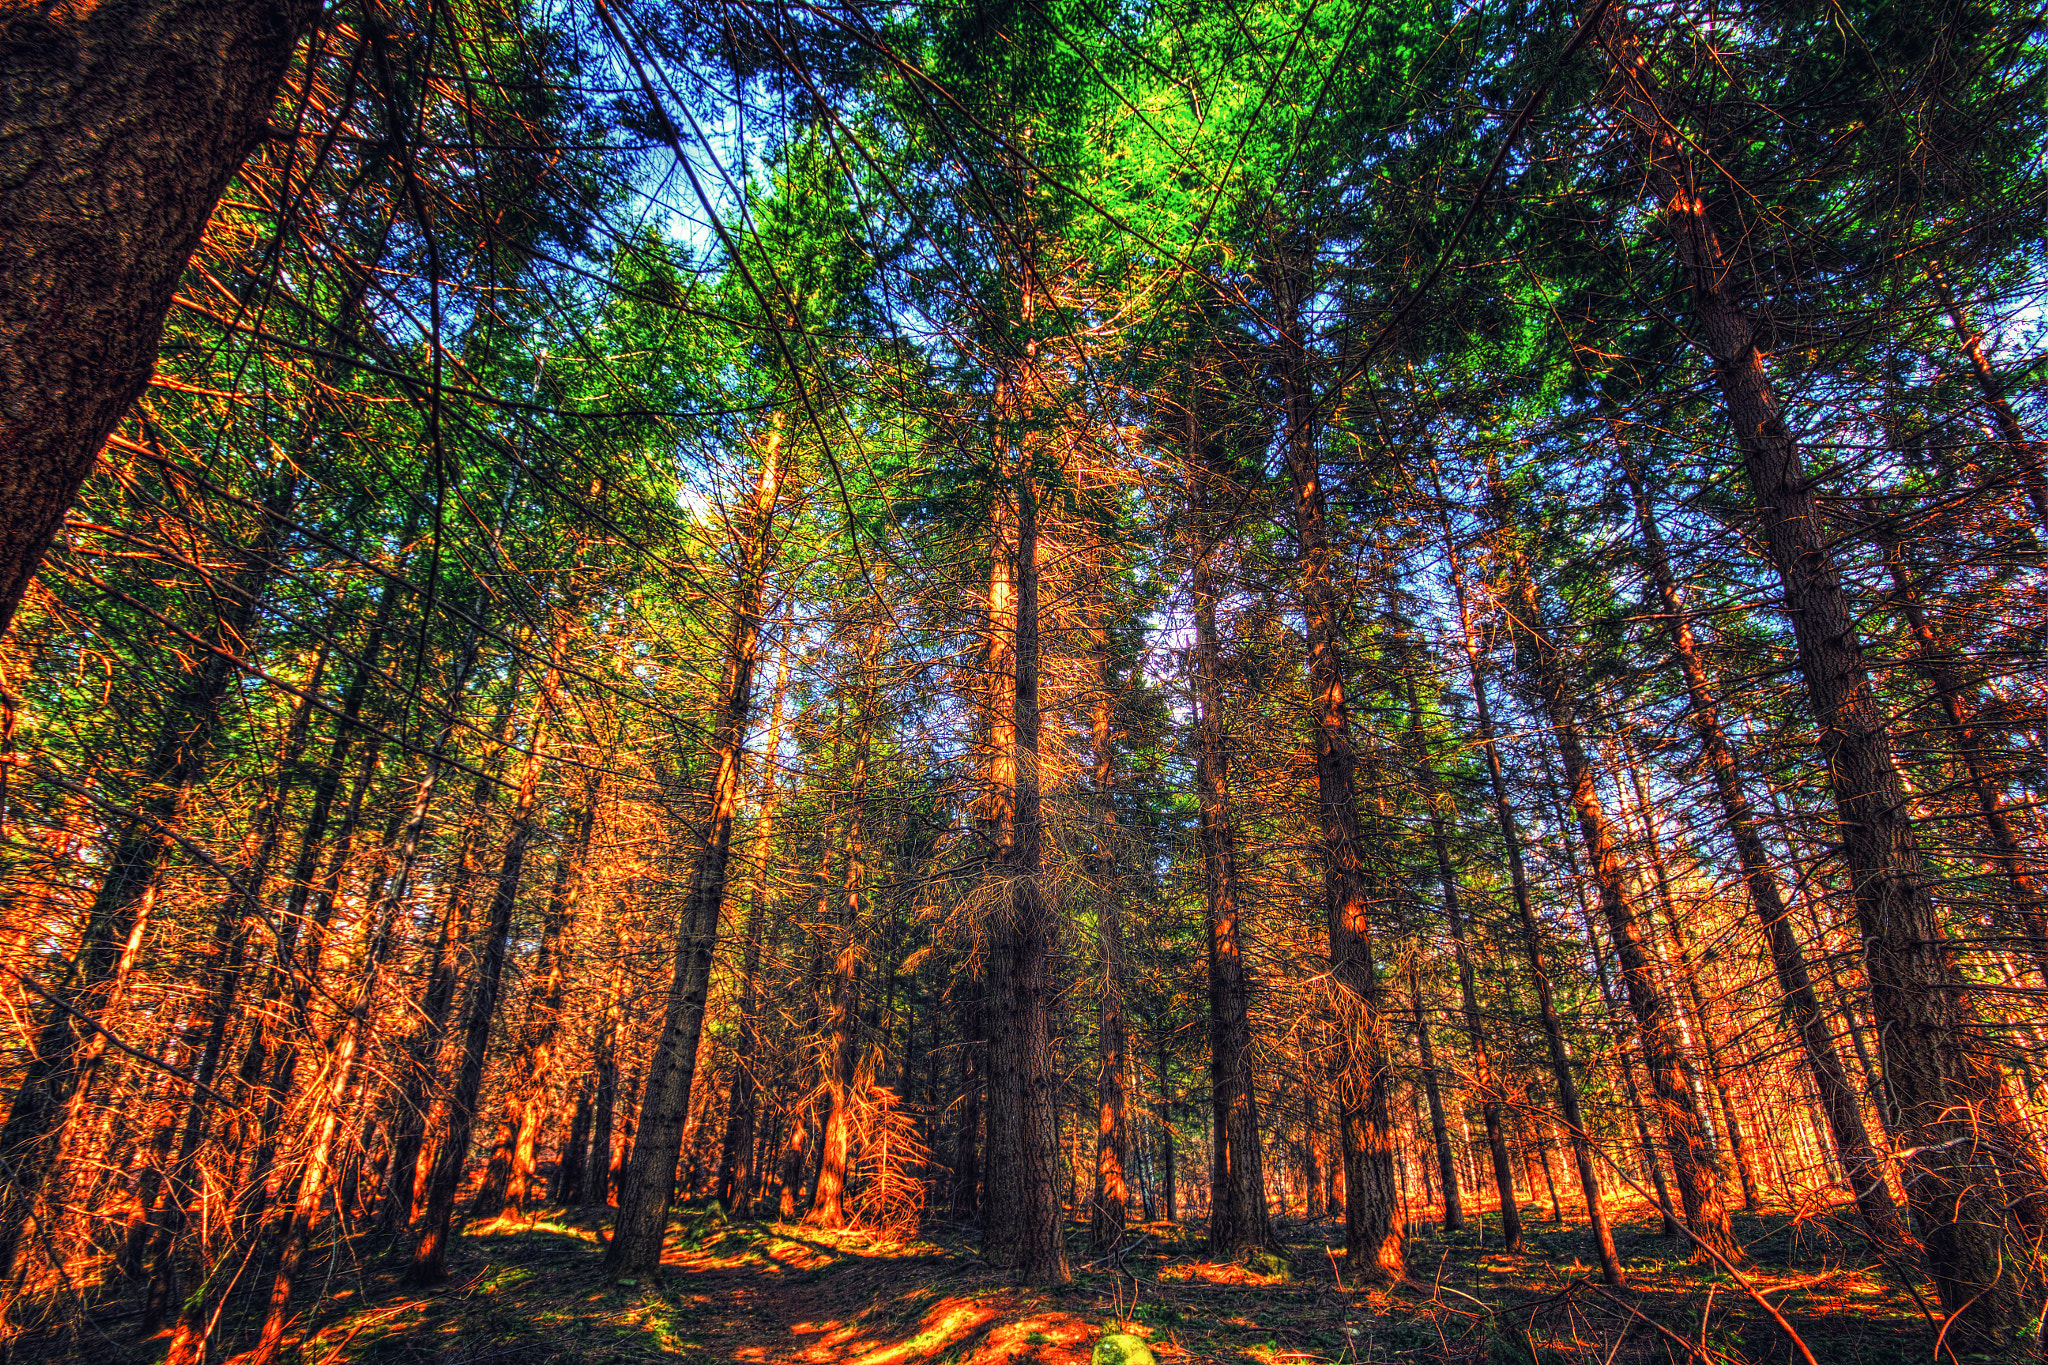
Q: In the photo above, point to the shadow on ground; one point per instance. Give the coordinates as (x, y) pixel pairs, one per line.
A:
(531, 1293)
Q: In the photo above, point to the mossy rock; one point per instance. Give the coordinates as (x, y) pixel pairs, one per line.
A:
(1121, 1348)
(1271, 1263)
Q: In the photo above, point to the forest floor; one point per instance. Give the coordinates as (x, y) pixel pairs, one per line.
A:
(532, 1294)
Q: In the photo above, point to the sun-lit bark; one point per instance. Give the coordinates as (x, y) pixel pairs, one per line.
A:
(648, 1186)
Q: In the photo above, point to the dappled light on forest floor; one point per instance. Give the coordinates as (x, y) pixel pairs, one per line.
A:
(774, 1294)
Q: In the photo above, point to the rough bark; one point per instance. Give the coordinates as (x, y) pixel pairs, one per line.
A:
(122, 122)
(1029, 1237)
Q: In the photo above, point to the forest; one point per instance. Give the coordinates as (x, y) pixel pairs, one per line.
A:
(1286, 681)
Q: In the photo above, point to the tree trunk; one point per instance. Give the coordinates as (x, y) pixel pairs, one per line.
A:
(429, 1264)
(736, 1165)
(509, 1179)
(315, 1174)
(201, 1310)
(648, 1186)
(124, 121)
(1372, 1225)
(156, 1226)
(1518, 878)
(965, 1199)
(416, 1081)
(1939, 667)
(1439, 1128)
(598, 1178)
(1109, 1209)
(1024, 1226)
(843, 995)
(1767, 899)
(1977, 1189)
(2028, 455)
(1621, 759)
(1169, 1191)
(1238, 1221)
(1678, 1106)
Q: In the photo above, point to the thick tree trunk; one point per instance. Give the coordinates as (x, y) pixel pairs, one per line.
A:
(1024, 1226)
(567, 1187)
(1976, 1188)
(123, 122)
(648, 1186)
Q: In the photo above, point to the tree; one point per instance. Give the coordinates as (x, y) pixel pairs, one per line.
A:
(125, 121)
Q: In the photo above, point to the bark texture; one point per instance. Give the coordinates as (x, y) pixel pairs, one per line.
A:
(120, 124)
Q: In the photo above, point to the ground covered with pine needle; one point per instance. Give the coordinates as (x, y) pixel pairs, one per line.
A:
(532, 1293)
